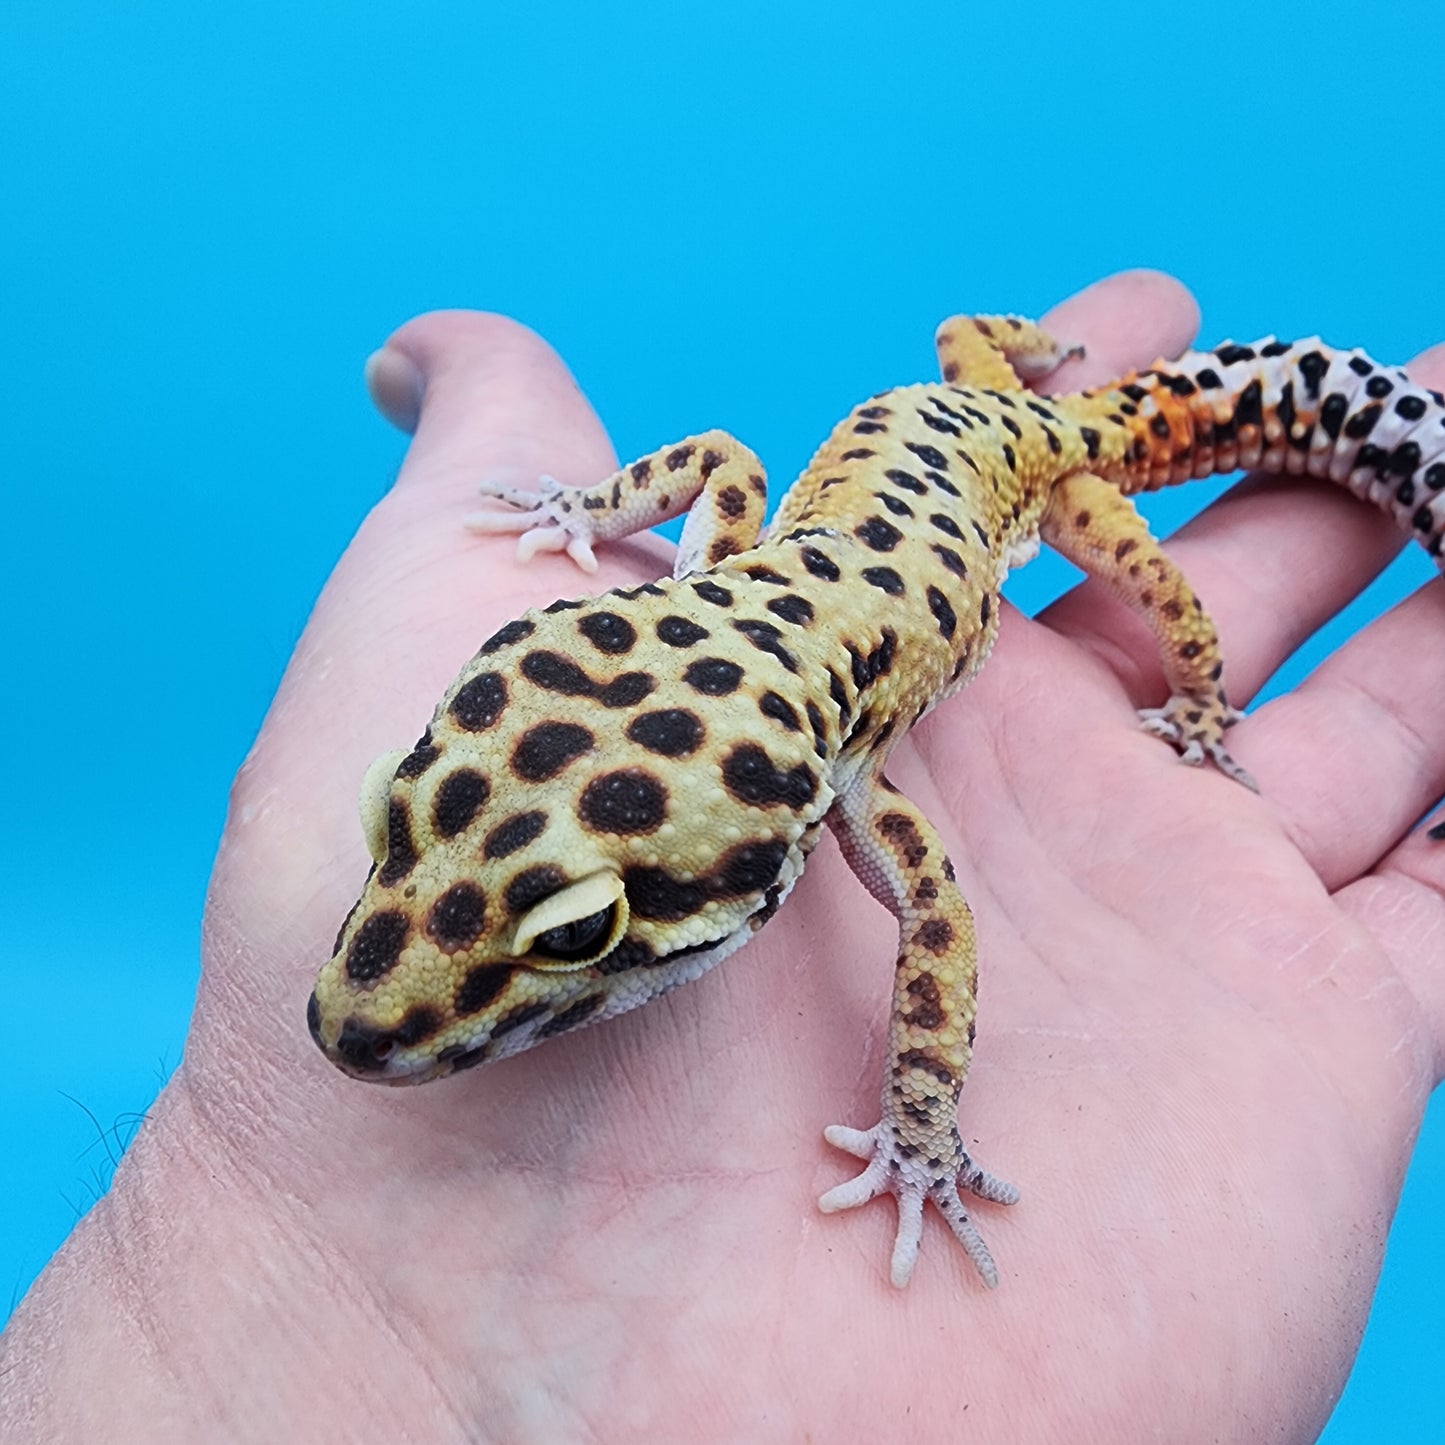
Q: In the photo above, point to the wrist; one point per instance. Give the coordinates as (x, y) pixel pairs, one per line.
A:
(185, 1280)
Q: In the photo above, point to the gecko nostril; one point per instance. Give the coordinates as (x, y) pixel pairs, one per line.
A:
(363, 1049)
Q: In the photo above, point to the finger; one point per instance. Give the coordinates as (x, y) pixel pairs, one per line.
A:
(1354, 755)
(1272, 561)
(1124, 321)
(1402, 905)
(415, 593)
(494, 403)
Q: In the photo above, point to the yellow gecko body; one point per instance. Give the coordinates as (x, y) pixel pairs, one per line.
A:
(617, 792)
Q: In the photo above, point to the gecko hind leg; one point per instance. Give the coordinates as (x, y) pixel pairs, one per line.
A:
(997, 351)
(1100, 531)
(914, 1152)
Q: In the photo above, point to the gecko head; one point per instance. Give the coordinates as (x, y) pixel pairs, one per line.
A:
(556, 849)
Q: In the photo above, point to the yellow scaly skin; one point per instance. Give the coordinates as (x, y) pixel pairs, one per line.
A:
(617, 792)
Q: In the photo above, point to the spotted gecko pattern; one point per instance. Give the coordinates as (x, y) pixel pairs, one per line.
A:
(618, 792)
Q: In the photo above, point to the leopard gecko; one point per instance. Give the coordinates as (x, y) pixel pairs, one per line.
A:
(617, 792)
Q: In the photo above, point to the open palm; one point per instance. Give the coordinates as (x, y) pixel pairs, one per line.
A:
(1209, 1025)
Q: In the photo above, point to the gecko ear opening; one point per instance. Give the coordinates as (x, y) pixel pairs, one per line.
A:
(575, 926)
(375, 794)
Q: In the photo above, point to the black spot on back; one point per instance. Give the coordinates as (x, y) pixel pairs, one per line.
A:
(838, 693)
(714, 676)
(792, 608)
(544, 750)
(928, 455)
(680, 631)
(780, 710)
(907, 481)
(608, 632)
(516, 631)
(673, 732)
(766, 638)
(881, 536)
(479, 703)
(711, 592)
(885, 579)
(556, 673)
(752, 777)
(514, 834)
(896, 505)
(820, 564)
(943, 611)
(951, 560)
(820, 729)
(626, 689)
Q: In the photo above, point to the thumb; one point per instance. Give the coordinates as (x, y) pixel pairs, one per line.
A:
(411, 599)
(483, 394)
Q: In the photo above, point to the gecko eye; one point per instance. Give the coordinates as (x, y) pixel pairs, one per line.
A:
(574, 926)
(582, 938)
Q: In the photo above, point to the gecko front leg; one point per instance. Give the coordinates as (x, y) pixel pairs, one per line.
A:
(713, 474)
(915, 1151)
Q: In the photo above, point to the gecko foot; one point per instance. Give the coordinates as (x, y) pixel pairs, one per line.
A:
(1196, 729)
(912, 1181)
(544, 521)
(1034, 366)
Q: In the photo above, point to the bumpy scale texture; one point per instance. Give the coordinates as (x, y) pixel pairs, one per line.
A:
(618, 792)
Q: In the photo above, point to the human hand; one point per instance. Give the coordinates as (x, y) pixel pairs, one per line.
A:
(1210, 1022)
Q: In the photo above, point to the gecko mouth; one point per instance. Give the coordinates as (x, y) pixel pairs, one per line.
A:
(387, 1056)
(365, 1051)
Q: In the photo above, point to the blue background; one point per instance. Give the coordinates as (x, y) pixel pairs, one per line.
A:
(743, 216)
